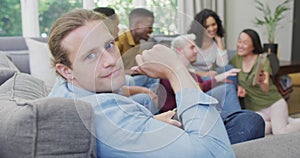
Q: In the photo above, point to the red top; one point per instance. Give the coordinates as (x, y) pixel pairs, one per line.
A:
(170, 102)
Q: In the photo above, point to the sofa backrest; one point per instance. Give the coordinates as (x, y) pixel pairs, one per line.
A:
(34, 125)
(17, 50)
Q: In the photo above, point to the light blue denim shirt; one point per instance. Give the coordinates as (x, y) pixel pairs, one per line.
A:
(125, 128)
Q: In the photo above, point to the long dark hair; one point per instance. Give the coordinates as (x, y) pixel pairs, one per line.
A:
(255, 40)
(200, 21)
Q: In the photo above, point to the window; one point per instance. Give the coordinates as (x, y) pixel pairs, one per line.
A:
(50, 10)
(165, 13)
(10, 18)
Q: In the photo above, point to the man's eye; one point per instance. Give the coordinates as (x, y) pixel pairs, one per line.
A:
(109, 45)
(91, 56)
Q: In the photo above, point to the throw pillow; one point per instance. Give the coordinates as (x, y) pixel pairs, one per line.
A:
(5, 74)
(40, 61)
(21, 87)
(6, 62)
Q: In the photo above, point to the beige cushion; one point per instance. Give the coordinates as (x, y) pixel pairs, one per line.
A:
(40, 61)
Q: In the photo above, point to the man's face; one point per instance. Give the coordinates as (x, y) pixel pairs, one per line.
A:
(189, 51)
(96, 61)
(143, 28)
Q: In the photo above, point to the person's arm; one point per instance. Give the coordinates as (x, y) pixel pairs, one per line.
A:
(264, 77)
(222, 56)
(203, 131)
(210, 73)
(132, 90)
(126, 129)
(208, 84)
(223, 76)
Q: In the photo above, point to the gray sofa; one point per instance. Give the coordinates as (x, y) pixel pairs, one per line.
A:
(35, 126)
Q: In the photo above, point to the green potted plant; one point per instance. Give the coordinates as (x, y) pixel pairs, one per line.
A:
(270, 21)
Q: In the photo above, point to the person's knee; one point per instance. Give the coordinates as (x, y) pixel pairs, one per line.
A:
(244, 125)
(230, 88)
(253, 121)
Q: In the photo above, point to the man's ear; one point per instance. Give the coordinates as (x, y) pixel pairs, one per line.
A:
(64, 71)
(179, 50)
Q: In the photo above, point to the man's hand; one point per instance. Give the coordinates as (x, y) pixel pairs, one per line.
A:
(223, 76)
(162, 62)
(167, 117)
(158, 62)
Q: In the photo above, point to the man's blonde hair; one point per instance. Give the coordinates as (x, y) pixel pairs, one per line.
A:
(182, 40)
(66, 24)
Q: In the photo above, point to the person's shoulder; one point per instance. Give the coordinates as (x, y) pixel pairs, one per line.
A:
(124, 35)
(235, 59)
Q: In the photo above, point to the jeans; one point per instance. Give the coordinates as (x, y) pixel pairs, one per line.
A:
(234, 79)
(241, 125)
(227, 96)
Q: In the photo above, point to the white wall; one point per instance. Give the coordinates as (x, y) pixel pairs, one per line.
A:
(240, 14)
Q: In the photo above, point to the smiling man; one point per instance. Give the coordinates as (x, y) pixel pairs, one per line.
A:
(129, 43)
(140, 27)
(91, 69)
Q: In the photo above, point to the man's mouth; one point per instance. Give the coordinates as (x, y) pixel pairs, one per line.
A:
(113, 73)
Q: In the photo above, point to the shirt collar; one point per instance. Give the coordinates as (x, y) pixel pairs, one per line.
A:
(130, 38)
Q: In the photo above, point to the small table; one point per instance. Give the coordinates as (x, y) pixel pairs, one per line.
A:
(286, 67)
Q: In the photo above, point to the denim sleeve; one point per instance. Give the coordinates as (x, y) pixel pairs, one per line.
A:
(124, 128)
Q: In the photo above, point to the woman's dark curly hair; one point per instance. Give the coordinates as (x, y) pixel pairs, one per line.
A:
(200, 21)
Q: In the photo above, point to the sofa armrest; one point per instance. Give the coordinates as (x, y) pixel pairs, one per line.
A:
(47, 127)
(285, 145)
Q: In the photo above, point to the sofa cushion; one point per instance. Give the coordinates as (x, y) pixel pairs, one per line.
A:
(5, 74)
(40, 61)
(33, 125)
(5, 62)
(285, 145)
(46, 127)
(22, 86)
(20, 58)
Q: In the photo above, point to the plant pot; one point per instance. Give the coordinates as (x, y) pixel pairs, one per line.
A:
(271, 47)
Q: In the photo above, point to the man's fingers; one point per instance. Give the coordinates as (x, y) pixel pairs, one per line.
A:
(139, 59)
(175, 123)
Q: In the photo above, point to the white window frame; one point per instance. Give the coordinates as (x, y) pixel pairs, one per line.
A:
(30, 21)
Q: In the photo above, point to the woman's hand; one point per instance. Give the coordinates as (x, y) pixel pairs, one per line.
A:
(263, 80)
(241, 91)
(219, 42)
